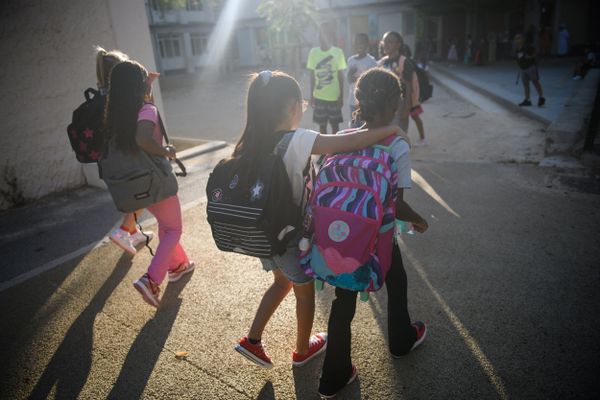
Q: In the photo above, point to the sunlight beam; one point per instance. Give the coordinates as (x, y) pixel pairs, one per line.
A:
(222, 32)
(427, 188)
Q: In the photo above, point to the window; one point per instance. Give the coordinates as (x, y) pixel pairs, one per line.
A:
(194, 5)
(199, 43)
(169, 46)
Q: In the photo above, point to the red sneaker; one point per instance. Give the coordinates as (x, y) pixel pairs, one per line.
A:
(421, 329)
(325, 394)
(254, 352)
(317, 344)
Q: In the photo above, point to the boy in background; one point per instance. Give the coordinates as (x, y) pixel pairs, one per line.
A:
(327, 64)
(357, 64)
(525, 57)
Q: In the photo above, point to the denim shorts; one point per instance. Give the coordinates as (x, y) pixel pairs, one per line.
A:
(288, 264)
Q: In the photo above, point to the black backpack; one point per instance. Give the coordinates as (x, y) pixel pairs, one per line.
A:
(85, 132)
(252, 215)
(425, 87)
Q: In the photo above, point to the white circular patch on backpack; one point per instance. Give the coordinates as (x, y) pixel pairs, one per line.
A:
(338, 231)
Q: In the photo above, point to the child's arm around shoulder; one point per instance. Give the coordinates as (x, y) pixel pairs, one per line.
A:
(327, 144)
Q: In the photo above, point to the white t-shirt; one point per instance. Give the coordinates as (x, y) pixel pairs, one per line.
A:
(295, 159)
(361, 64)
(400, 151)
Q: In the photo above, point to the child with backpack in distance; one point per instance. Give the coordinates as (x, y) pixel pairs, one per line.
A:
(357, 64)
(274, 111)
(377, 92)
(127, 236)
(132, 123)
(401, 65)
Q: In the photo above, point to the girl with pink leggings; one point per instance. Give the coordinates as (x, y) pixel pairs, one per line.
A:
(132, 122)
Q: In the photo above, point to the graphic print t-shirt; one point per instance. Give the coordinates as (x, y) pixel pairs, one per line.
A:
(325, 65)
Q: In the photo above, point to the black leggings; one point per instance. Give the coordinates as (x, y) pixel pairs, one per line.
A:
(337, 366)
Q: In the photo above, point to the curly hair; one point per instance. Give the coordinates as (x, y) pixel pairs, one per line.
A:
(375, 89)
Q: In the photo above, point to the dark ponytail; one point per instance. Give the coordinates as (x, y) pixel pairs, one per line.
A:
(375, 89)
(267, 105)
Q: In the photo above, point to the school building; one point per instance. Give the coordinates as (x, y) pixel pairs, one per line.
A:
(181, 36)
(494, 23)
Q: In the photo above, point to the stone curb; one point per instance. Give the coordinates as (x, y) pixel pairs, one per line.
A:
(491, 95)
(201, 149)
(90, 171)
(562, 135)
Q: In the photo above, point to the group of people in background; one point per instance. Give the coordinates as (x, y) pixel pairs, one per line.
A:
(329, 68)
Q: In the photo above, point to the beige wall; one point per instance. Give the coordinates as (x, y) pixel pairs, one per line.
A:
(46, 48)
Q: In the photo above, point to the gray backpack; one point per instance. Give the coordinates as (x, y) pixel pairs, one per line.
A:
(139, 180)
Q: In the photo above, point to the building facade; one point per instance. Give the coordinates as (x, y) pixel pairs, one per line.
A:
(492, 24)
(181, 37)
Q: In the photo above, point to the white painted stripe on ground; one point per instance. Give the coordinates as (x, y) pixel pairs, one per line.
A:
(484, 362)
(51, 265)
(79, 252)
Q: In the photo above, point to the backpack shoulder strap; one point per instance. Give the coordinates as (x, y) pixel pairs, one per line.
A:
(408, 70)
(163, 131)
(90, 94)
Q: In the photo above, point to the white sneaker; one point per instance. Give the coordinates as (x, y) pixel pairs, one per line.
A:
(421, 143)
(139, 237)
(123, 240)
(183, 269)
(148, 289)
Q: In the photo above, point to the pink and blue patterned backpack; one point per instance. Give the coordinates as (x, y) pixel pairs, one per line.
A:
(351, 215)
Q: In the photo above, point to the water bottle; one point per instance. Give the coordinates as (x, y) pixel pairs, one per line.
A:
(403, 227)
(307, 227)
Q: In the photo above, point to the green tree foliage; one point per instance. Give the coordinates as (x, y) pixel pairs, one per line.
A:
(181, 4)
(292, 16)
(171, 4)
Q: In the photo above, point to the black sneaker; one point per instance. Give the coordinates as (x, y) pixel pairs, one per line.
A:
(541, 101)
(525, 103)
(330, 395)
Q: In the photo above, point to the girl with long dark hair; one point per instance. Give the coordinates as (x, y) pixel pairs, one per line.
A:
(132, 122)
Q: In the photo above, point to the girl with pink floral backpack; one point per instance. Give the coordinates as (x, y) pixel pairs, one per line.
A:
(378, 93)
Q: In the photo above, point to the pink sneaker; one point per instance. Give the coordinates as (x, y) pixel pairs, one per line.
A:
(148, 289)
(183, 269)
(317, 345)
(254, 352)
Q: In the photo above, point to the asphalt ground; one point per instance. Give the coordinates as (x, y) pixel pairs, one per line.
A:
(506, 279)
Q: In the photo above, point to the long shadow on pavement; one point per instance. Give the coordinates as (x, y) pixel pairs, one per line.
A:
(70, 366)
(267, 392)
(306, 383)
(148, 345)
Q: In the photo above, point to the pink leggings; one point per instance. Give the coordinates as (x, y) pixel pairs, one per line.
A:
(169, 253)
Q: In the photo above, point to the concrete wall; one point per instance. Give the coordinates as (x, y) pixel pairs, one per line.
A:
(48, 60)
